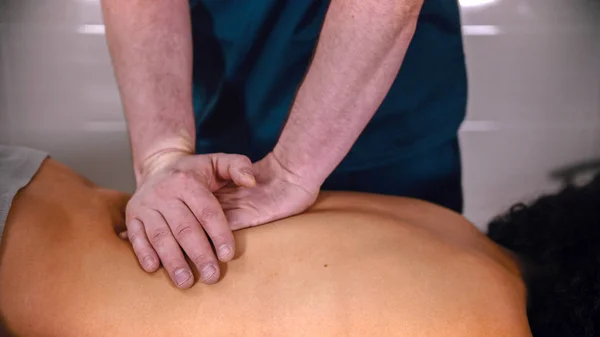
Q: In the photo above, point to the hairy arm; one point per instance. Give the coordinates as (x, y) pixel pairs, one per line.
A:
(150, 43)
(359, 53)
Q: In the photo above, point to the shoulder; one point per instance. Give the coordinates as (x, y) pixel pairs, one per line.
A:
(495, 298)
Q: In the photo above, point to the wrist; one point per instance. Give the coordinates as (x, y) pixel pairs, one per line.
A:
(159, 159)
(300, 169)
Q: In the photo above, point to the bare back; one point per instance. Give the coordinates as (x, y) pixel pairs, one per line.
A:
(354, 265)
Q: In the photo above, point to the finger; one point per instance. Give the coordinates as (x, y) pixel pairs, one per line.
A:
(141, 246)
(169, 252)
(237, 208)
(242, 218)
(232, 197)
(234, 167)
(118, 204)
(209, 213)
(193, 240)
(120, 227)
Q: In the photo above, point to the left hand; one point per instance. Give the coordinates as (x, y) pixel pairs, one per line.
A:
(278, 193)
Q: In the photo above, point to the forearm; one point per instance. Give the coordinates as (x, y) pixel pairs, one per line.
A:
(358, 56)
(150, 44)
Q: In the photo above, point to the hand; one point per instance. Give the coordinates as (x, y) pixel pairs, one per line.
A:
(173, 207)
(278, 194)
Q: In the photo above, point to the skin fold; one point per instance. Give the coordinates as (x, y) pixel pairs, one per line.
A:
(353, 265)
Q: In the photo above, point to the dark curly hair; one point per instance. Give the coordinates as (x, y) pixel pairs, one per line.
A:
(557, 238)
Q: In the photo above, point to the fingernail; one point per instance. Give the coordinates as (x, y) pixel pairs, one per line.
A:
(208, 272)
(148, 262)
(182, 276)
(224, 252)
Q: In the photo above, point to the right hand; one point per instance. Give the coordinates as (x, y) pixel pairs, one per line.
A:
(174, 205)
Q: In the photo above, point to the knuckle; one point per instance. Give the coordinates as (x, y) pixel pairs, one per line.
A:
(244, 163)
(238, 159)
(143, 199)
(131, 209)
(159, 192)
(183, 230)
(193, 184)
(135, 236)
(145, 204)
(182, 176)
(244, 160)
(208, 213)
(189, 181)
(158, 236)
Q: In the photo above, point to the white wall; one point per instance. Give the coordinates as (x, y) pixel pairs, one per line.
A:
(534, 97)
(534, 70)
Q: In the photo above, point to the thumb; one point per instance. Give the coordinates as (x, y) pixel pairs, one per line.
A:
(234, 167)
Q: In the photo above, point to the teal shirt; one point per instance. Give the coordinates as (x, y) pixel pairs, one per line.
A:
(251, 56)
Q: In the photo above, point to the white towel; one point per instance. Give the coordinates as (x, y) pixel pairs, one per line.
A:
(18, 165)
